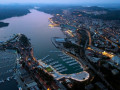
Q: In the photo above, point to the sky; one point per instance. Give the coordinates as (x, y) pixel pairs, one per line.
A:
(61, 1)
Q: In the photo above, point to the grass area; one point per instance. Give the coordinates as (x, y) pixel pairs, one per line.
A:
(49, 69)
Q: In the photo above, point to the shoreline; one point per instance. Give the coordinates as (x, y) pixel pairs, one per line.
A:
(3, 24)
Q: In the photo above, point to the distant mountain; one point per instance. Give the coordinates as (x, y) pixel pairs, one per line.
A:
(96, 8)
(8, 11)
(111, 15)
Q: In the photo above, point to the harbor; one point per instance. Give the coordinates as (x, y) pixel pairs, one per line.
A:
(62, 63)
(80, 76)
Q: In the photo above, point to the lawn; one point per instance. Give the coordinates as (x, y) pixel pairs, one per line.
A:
(49, 69)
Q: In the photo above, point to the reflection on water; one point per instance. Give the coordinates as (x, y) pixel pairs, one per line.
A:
(35, 26)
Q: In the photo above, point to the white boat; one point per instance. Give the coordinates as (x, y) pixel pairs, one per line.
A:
(45, 57)
(58, 65)
(54, 63)
(63, 70)
(67, 59)
(60, 68)
(70, 61)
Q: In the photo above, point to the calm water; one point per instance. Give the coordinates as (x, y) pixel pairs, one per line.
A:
(35, 26)
(9, 85)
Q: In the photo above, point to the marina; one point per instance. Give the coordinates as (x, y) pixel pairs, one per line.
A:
(56, 72)
(50, 54)
(63, 63)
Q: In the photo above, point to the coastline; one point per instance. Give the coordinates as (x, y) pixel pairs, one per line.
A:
(2, 24)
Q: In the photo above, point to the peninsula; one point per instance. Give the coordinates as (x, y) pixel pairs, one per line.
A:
(2, 24)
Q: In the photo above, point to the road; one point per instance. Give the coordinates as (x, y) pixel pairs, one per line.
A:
(86, 60)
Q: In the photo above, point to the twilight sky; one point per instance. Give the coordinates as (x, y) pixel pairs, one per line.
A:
(61, 1)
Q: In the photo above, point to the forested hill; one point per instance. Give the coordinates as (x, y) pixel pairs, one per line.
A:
(111, 15)
(8, 11)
